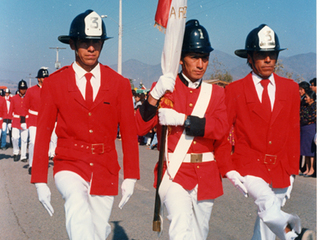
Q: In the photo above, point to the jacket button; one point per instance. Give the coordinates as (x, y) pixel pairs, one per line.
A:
(191, 91)
(90, 131)
(270, 142)
(89, 114)
(194, 142)
(91, 164)
(190, 105)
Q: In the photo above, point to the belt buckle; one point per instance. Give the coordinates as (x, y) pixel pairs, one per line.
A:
(196, 157)
(93, 148)
(270, 159)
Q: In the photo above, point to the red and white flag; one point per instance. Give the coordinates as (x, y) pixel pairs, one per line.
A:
(171, 16)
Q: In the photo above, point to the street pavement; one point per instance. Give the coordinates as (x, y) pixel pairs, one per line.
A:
(23, 217)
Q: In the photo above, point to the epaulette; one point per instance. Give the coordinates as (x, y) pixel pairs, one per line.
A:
(59, 70)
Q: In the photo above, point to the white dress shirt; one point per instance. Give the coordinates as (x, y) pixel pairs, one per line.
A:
(259, 88)
(81, 79)
(191, 84)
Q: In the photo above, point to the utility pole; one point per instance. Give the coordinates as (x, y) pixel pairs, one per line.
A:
(119, 36)
(120, 39)
(57, 64)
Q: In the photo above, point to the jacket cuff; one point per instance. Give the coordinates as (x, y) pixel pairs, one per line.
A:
(196, 127)
(147, 111)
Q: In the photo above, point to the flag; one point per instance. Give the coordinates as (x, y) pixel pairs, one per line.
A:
(171, 15)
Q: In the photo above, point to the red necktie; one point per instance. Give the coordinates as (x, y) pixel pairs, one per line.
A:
(265, 96)
(89, 90)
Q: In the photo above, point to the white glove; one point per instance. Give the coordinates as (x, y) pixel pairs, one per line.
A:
(170, 117)
(165, 83)
(44, 196)
(237, 180)
(23, 126)
(127, 188)
(288, 193)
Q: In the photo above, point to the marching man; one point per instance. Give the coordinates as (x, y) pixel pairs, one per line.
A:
(32, 103)
(93, 101)
(195, 111)
(7, 118)
(19, 125)
(264, 110)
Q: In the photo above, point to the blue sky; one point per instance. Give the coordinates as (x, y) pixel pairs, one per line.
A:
(29, 28)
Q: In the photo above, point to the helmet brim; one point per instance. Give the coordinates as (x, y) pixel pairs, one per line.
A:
(243, 53)
(65, 38)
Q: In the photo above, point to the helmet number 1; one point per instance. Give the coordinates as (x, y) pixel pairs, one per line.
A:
(201, 33)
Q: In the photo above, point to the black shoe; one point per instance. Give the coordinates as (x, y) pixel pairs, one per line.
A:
(306, 234)
(15, 158)
(24, 160)
(29, 170)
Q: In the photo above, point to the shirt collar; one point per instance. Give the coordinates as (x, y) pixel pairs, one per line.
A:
(189, 83)
(80, 72)
(256, 79)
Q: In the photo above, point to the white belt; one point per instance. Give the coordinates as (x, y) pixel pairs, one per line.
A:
(197, 157)
(33, 112)
(16, 116)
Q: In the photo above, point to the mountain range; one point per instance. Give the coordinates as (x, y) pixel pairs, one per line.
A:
(301, 67)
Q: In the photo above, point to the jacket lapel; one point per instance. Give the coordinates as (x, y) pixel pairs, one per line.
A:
(280, 98)
(74, 90)
(104, 87)
(252, 99)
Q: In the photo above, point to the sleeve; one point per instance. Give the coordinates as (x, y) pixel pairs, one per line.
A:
(216, 121)
(128, 133)
(46, 120)
(294, 139)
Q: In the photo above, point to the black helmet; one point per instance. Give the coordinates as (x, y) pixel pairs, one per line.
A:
(42, 73)
(196, 38)
(262, 38)
(87, 25)
(7, 90)
(22, 85)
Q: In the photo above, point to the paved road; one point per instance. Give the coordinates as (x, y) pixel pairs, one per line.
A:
(23, 217)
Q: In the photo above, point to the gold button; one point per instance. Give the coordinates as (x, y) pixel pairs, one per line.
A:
(89, 114)
(194, 142)
(190, 105)
(191, 91)
(269, 170)
(270, 142)
(91, 164)
(90, 131)
(258, 160)
(198, 166)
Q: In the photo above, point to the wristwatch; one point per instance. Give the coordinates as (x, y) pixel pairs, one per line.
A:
(187, 122)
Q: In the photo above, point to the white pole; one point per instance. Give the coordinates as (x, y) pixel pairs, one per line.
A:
(120, 39)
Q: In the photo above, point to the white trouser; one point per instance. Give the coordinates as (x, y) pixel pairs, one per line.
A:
(87, 216)
(16, 134)
(189, 218)
(6, 127)
(271, 220)
(53, 142)
(32, 139)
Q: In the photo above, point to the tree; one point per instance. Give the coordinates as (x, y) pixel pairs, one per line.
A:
(220, 71)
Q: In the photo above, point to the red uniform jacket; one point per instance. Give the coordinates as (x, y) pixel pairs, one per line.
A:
(3, 109)
(32, 102)
(86, 137)
(270, 151)
(205, 174)
(17, 110)
(6, 114)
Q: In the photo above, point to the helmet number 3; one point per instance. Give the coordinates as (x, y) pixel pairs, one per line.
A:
(94, 22)
(201, 33)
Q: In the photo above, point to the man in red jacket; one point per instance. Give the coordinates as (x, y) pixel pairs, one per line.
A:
(193, 111)
(19, 125)
(89, 100)
(7, 118)
(264, 110)
(32, 104)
